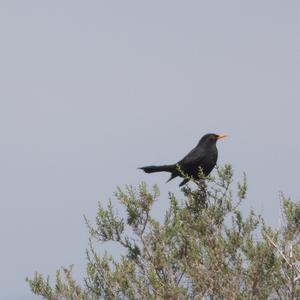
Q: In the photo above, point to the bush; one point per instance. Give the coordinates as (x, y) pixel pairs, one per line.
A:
(204, 249)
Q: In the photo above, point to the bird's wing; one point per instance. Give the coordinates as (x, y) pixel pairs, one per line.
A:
(194, 157)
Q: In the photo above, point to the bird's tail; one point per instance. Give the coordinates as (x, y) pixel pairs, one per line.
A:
(164, 168)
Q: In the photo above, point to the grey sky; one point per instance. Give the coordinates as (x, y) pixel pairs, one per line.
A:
(90, 90)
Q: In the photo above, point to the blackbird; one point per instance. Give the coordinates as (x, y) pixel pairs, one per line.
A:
(204, 155)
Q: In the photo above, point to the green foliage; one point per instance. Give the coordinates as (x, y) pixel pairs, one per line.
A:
(204, 248)
(65, 288)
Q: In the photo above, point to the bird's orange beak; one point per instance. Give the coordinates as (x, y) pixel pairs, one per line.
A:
(221, 136)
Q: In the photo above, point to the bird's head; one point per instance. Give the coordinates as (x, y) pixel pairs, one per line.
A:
(211, 138)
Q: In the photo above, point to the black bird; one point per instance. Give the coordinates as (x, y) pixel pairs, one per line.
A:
(204, 155)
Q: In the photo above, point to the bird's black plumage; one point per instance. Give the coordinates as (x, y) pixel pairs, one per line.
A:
(203, 156)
